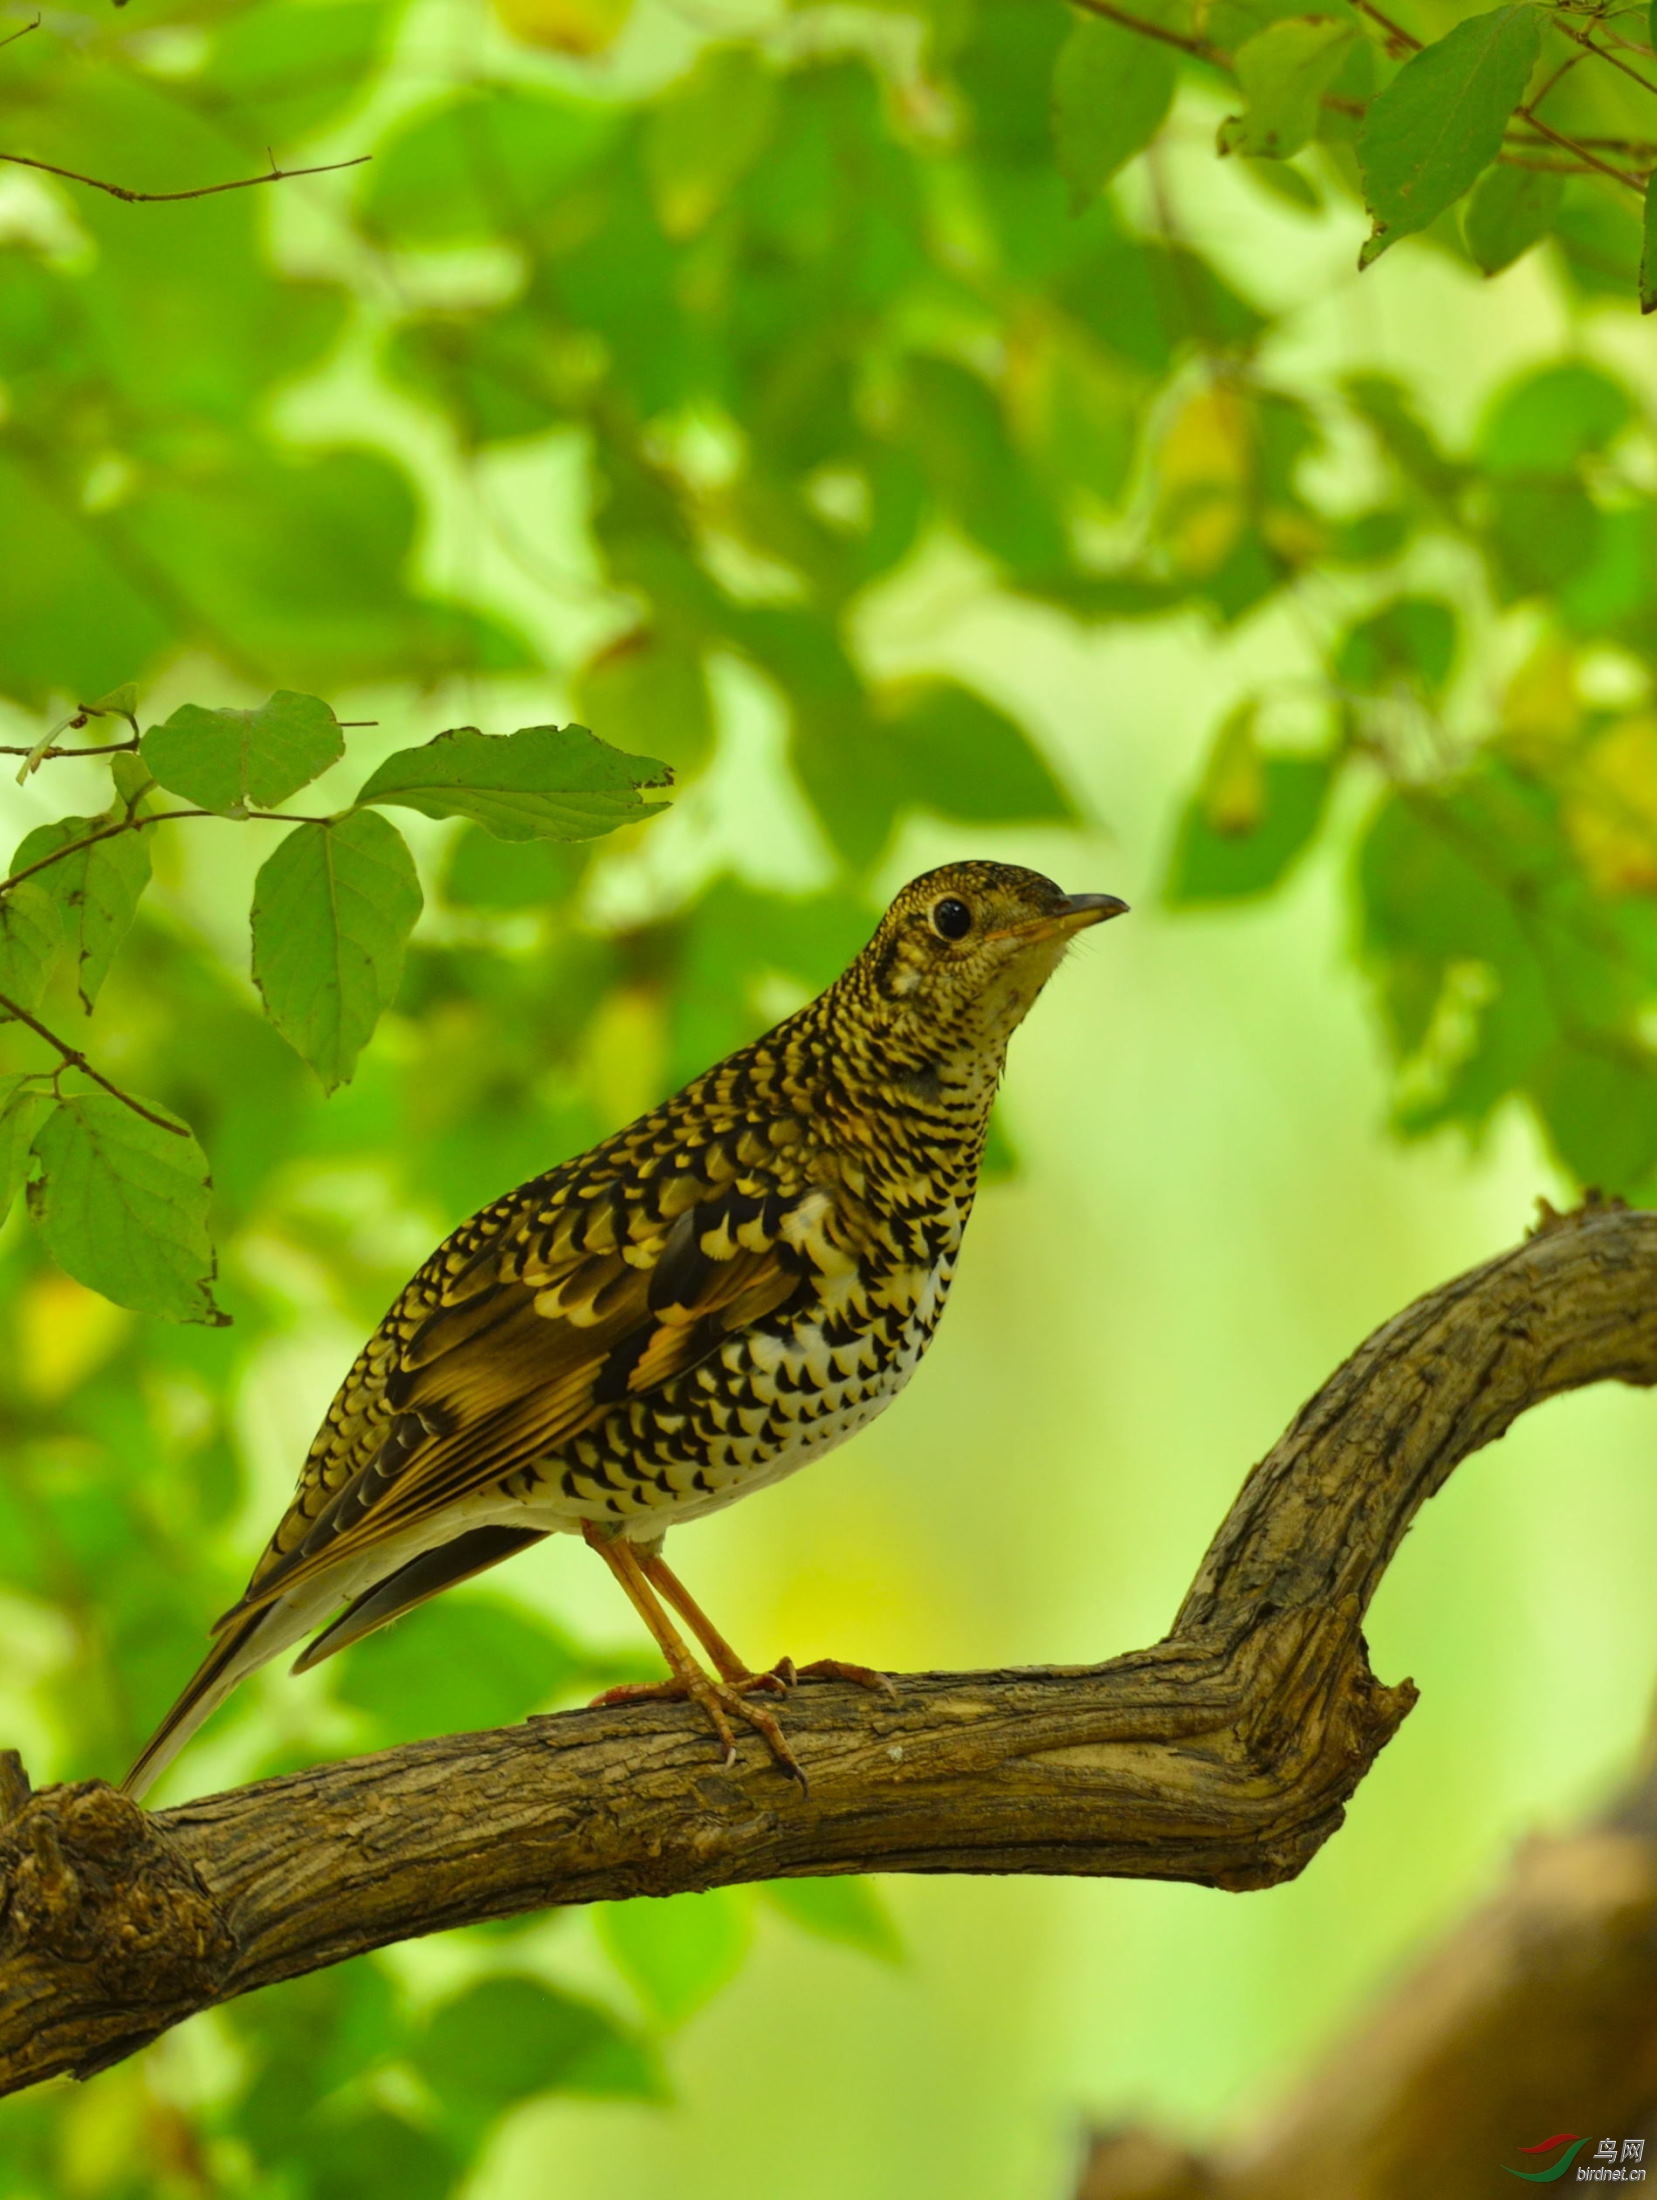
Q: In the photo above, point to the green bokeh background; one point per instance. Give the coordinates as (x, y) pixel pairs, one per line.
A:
(1210, 1207)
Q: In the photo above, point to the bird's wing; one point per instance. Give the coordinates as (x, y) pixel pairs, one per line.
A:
(489, 1363)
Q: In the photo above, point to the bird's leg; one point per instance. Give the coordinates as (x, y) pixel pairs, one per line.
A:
(718, 1699)
(726, 1663)
(729, 1666)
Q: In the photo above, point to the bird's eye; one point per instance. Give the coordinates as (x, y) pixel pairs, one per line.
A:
(951, 919)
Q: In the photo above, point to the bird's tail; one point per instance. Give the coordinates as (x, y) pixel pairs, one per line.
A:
(242, 1646)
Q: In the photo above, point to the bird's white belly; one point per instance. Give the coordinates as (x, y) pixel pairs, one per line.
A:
(800, 1396)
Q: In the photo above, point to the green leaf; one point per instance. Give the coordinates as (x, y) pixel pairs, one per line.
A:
(961, 757)
(1111, 90)
(373, 2151)
(123, 1207)
(1600, 1107)
(485, 164)
(461, 1664)
(678, 1950)
(1215, 866)
(132, 776)
(1412, 639)
(1511, 210)
(1284, 73)
(486, 873)
(706, 133)
(224, 759)
(120, 702)
(509, 2038)
(952, 422)
(542, 782)
(97, 889)
(847, 1910)
(333, 907)
(31, 934)
(1648, 246)
(22, 1110)
(1440, 121)
(649, 685)
(1546, 422)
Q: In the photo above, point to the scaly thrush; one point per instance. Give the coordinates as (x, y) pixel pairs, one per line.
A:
(723, 1290)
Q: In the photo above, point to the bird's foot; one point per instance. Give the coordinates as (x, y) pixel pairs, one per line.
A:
(721, 1701)
(834, 1669)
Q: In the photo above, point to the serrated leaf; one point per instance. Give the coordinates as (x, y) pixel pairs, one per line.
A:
(1648, 246)
(542, 782)
(1439, 123)
(31, 935)
(333, 907)
(847, 1910)
(1284, 73)
(123, 1207)
(97, 889)
(678, 1950)
(1111, 90)
(22, 1109)
(224, 759)
(1510, 210)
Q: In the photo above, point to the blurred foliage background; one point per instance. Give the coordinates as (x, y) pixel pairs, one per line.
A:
(898, 419)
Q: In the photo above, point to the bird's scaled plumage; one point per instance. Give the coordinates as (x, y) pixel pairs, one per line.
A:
(719, 1292)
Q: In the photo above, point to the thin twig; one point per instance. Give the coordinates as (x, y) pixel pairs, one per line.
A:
(1585, 40)
(12, 37)
(112, 748)
(1396, 33)
(201, 191)
(1199, 48)
(137, 824)
(74, 1059)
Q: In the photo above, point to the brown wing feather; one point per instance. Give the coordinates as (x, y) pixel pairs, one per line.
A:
(512, 1359)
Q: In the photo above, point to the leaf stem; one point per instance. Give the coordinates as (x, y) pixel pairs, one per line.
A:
(73, 1058)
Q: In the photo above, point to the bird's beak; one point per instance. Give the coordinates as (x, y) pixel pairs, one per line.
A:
(1081, 910)
(1074, 914)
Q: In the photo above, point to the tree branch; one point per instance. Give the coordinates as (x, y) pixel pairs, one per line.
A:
(1224, 1754)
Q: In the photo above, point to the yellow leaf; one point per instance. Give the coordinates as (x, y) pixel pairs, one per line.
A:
(1208, 443)
(1234, 778)
(1540, 709)
(565, 26)
(1204, 466)
(1611, 810)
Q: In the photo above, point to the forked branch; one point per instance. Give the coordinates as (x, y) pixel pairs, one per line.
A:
(1224, 1754)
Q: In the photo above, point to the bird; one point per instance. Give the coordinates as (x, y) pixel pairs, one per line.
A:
(716, 1294)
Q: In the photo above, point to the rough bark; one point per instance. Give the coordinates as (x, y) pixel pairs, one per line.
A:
(1224, 1754)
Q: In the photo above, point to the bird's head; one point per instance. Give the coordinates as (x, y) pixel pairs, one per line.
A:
(963, 951)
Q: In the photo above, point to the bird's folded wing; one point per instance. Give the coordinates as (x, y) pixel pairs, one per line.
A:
(519, 1353)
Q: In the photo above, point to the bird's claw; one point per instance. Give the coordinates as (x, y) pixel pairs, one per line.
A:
(720, 1701)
